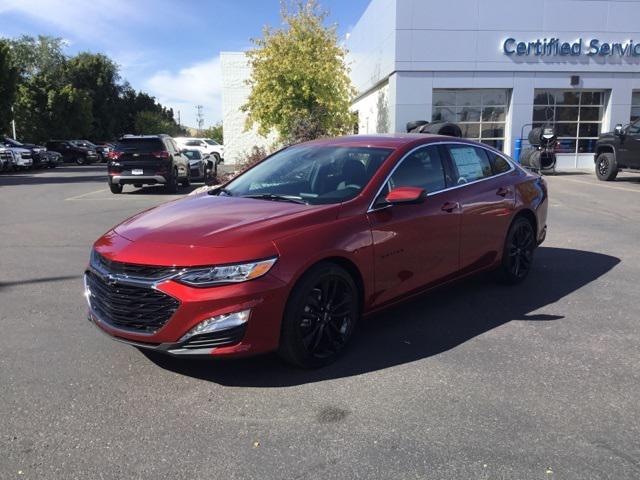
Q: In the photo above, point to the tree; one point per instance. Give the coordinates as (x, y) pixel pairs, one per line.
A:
(153, 122)
(98, 76)
(36, 55)
(214, 132)
(300, 84)
(8, 85)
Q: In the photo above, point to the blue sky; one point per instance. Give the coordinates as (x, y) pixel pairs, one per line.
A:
(169, 48)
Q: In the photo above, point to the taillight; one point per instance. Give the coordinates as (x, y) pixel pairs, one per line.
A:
(161, 154)
(114, 155)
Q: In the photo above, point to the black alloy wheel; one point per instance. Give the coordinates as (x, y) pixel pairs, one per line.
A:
(606, 167)
(80, 160)
(320, 317)
(518, 252)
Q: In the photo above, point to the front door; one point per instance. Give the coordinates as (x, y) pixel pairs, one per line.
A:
(415, 245)
(487, 201)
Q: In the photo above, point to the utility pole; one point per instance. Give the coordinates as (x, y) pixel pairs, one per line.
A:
(199, 118)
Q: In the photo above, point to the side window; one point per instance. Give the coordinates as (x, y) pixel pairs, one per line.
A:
(470, 163)
(498, 163)
(171, 146)
(634, 128)
(423, 169)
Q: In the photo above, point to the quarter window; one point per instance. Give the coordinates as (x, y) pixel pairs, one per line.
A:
(423, 168)
(498, 163)
(470, 163)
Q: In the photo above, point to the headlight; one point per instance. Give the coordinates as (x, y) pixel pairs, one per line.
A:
(241, 272)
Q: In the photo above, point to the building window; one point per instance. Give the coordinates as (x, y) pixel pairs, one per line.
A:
(635, 106)
(576, 116)
(481, 113)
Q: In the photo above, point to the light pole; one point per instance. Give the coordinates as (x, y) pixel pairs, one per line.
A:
(13, 123)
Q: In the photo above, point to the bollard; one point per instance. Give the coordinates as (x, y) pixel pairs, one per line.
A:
(517, 150)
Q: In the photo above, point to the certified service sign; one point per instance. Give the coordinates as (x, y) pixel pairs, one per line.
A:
(555, 47)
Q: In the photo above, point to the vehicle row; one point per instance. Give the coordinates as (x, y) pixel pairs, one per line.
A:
(160, 160)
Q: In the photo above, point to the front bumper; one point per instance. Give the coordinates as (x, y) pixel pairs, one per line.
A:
(265, 297)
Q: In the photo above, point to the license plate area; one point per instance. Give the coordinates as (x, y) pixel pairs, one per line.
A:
(137, 171)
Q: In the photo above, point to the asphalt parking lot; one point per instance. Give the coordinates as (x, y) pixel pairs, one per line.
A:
(478, 381)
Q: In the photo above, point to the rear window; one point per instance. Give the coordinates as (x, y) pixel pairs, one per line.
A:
(141, 145)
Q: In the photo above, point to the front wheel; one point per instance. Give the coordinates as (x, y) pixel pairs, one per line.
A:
(517, 257)
(606, 167)
(81, 160)
(172, 182)
(320, 317)
(187, 180)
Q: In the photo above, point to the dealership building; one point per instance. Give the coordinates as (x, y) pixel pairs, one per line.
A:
(495, 67)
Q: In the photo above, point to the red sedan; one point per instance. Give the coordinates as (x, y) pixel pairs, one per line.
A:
(289, 255)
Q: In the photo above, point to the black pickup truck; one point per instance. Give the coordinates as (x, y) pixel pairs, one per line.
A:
(618, 151)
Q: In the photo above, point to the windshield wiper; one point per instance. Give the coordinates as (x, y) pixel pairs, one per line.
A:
(272, 196)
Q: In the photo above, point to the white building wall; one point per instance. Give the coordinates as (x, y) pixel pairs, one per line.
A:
(459, 44)
(373, 111)
(238, 142)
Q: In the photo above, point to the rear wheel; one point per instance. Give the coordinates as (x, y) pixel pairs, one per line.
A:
(320, 317)
(172, 182)
(517, 256)
(115, 188)
(606, 167)
(187, 180)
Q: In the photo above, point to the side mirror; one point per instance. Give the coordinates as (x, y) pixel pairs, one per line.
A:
(406, 196)
(619, 130)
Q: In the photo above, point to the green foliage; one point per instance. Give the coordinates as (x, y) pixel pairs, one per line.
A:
(153, 122)
(8, 85)
(73, 97)
(300, 81)
(214, 132)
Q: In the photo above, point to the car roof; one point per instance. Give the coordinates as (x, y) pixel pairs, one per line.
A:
(142, 137)
(394, 140)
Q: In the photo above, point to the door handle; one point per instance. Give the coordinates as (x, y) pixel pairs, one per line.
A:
(503, 192)
(450, 206)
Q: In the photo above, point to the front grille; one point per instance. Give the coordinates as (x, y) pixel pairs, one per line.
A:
(133, 270)
(216, 339)
(141, 309)
(26, 156)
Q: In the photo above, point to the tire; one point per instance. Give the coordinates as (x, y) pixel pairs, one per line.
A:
(414, 125)
(311, 337)
(80, 160)
(115, 188)
(606, 167)
(517, 256)
(137, 185)
(172, 182)
(187, 180)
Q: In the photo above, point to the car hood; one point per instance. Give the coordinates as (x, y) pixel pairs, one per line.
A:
(213, 221)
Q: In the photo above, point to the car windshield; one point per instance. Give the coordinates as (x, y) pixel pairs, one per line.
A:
(211, 142)
(83, 143)
(193, 154)
(12, 142)
(193, 143)
(311, 174)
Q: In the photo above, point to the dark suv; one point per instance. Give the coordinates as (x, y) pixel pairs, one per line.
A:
(618, 150)
(147, 160)
(73, 152)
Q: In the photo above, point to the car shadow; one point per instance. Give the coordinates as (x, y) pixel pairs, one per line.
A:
(158, 190)
(421, 328)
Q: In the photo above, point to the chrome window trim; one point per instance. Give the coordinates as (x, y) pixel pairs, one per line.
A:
(429, 194)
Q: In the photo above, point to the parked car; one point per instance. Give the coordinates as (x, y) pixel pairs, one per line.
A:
(37, 151)
(71, 152)
(205, 145)
(22, 159)
(102, 150)
(147, 160)
(6, 160)
(201, 166)
(291, 253)
(618, 151)
(50, 159)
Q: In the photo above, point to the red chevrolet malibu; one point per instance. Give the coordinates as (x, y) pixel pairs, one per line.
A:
(289, 255)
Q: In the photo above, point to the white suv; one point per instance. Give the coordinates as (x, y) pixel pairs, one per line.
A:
(206, 146)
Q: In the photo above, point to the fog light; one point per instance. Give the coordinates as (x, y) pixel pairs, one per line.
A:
(217, 323)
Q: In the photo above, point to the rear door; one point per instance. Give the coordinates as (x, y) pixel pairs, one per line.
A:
(142, 156)
(487, 201)
(630, 146)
